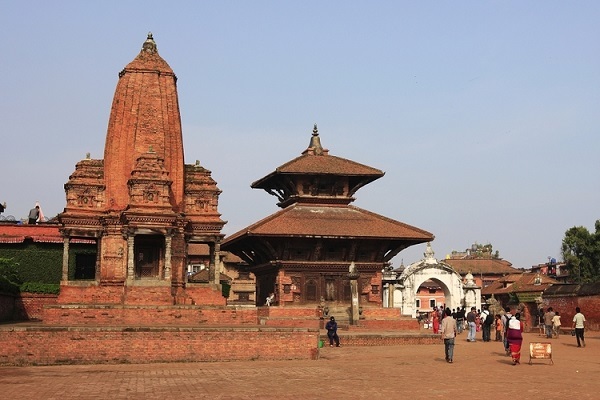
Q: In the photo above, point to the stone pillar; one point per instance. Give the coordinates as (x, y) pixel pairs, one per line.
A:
(211, 263)
(65, 264)
(98, 257)
(130, 257)
(167, 257)
(354, 307)
(390, 291)
(217, 261)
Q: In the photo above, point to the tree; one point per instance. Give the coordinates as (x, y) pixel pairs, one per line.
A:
(9, 276)
(581, 253)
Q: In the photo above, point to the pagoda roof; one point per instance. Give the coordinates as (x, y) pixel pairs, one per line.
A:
(316, 160)
(300, 220)
(320, 165)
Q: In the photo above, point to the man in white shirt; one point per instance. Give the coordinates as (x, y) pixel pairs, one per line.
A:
(578, 325)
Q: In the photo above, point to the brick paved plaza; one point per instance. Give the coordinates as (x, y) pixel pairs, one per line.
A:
(413, 372)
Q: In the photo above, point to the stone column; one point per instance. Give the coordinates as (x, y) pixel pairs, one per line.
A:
(98, 257)
(354, 307)
(65, 264)
(217, 257)
(391, 290)
(211, 263)
(168, 257)
(130, 257)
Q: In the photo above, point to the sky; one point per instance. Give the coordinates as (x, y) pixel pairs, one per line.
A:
(482, 114)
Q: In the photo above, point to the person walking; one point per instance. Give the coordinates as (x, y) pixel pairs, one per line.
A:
(448, 332)
(541, 324)
(331, 327)
(515, 338)
(556, 324)
(435, 320)
(499, 327)
(579, 325)
(471, 322)
(487, 320)
(460, 319)
(506, 318)
(548, 322)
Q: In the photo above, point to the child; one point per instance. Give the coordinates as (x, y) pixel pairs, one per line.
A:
(556, 324)
(499, 328)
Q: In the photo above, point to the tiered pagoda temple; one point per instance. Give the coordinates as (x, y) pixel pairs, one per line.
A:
(303, 252)
(141, 204)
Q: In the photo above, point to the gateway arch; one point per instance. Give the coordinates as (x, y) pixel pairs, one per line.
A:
(401, 286)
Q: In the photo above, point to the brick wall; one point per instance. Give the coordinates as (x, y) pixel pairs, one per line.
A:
(81, 345)
(205, 294)
(385, 340)
(126, 315)
(289, 316)
(30, 306)
(91, 293)
(386, 319)
(590, 307)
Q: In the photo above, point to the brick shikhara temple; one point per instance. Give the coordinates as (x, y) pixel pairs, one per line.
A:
(303, 252)
(141, 204)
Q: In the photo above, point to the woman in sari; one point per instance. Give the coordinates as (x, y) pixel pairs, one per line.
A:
(435, 320)
(514, 337)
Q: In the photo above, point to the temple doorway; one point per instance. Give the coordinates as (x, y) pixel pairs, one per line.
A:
(149, 259)
(332, 288)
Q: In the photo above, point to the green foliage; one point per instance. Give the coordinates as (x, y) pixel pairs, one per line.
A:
(44, 288)
(581, 252)
(9, 276)
(37, 262)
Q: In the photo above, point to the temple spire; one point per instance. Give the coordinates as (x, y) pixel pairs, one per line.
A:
(315, 147)
(149, 45)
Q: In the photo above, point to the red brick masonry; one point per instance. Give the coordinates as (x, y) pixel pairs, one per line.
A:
(43, 345)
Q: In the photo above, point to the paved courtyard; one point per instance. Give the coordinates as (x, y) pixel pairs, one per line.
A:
(479, 370)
